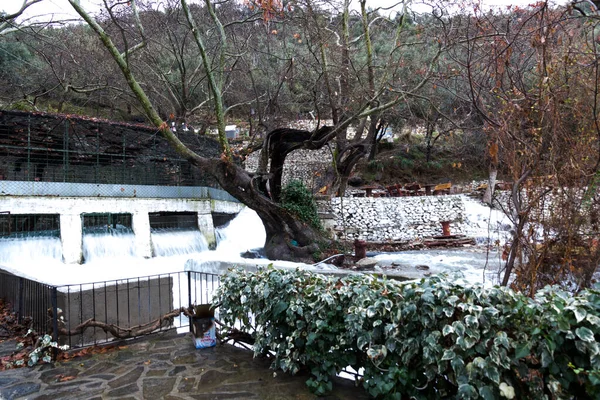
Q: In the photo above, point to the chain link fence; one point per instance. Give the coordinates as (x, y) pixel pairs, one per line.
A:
(44, 154)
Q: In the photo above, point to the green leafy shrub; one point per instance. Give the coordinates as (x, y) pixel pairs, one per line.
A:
(425, 340)
(297, 199)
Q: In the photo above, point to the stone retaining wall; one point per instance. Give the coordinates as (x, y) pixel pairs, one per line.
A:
(392, 218)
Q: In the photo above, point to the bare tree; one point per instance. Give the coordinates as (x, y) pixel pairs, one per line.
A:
(525, 72)
(373, 93)
(8, 22)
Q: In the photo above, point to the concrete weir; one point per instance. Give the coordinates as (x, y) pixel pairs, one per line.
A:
(73, 201)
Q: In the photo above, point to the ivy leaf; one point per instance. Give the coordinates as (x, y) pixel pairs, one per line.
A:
(592, 319)
(280, 307)
(585, 334)
(362, 341)
(448, 355)
(487, 393)
(522, 350)
(466, 391)
(501, 340)
(492, 374)
(448, 329)
(579, 314)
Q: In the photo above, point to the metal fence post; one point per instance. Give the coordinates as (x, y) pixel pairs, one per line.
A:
(189, 285)
(66, 152)
(21, 301)
(28, 148)
(55, 319)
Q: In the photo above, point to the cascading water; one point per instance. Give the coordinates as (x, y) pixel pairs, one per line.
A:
(177, 243)
(487, 225)
(245, 232)
(111, 245)
(30, 250)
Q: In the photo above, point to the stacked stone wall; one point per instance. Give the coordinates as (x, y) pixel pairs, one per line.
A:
(393, 218)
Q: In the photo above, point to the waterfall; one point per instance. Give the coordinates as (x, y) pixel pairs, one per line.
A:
(175, 243)
(484, 224)
(16, 251)
(244, 232)
(110, 245)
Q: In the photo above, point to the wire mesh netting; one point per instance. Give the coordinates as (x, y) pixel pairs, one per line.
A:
(60, 148)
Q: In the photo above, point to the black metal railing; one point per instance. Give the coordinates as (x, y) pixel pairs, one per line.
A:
(129, 304)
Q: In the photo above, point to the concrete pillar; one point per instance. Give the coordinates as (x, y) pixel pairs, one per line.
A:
(140, 222)
(207, 228)
(71, 238)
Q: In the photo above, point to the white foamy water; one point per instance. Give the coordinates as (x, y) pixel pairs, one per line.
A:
(114, 245)
(32, 249)
(244, 232)
(487, 225)
(463, 265)
(176, 243)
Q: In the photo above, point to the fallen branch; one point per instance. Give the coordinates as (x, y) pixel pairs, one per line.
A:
(125, 333)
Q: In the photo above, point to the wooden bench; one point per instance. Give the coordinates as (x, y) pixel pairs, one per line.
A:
(442, 188)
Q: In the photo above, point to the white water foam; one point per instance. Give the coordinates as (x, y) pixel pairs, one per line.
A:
(32, 249)
(176, 243)
(487, 225)
(245, 232)
(103, 246)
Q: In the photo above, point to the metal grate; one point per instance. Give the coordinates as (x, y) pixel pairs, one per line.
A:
(173, 221)
(106, 223)
(29, 225)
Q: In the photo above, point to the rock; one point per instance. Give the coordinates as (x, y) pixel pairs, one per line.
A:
(366, 263)
(422, 267)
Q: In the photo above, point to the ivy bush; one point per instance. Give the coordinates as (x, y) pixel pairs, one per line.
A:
(425, 340)
(296, 198)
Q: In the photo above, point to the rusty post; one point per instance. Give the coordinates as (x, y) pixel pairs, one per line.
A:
(360, 249)
(446, 228)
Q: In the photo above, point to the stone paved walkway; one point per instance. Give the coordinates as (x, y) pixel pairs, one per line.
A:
(162, 366)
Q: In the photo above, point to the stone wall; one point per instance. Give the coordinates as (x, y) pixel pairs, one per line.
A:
(393, 218)
(304, 165)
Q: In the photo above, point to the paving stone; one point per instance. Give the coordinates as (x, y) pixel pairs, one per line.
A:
(224, 396)
(223, 364)
(128, 378)
(50, 394)
(7, 381)
(186, 385)
(124, 355)
(211, 377)
(123, 391)
(177, 370)
(104, 377)
(99, 368)
(163, 344)
(19, 390)
(56, 374)
(157, 388)
(66, 384)
(158, 365)
(156, 372)
(160, 356)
